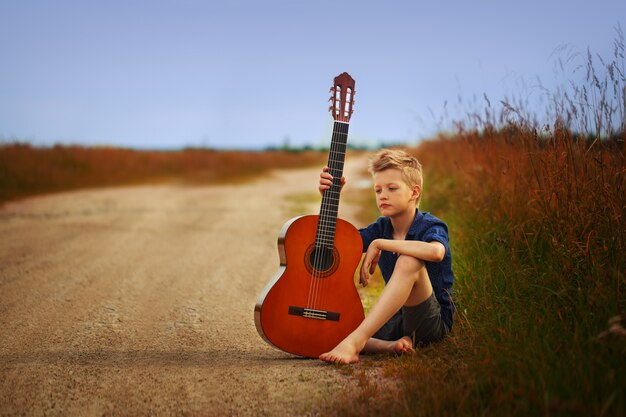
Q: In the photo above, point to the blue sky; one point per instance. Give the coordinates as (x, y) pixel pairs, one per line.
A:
(251, 74)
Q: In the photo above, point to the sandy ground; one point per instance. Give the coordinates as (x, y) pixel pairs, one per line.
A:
(140, 301)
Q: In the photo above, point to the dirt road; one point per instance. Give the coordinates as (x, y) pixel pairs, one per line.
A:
(139, 301)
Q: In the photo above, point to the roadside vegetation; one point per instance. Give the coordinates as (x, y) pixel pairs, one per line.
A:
(537, 215)
(26, 170)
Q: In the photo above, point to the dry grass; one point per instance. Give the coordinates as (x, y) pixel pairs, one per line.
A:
(27, 170)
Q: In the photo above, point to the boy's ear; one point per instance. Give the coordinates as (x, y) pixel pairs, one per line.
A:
(417, 191)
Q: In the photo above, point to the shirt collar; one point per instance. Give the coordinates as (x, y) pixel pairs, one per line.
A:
(388, 228)
(415, 225)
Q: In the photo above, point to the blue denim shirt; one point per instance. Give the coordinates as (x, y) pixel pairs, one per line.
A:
(426, 228)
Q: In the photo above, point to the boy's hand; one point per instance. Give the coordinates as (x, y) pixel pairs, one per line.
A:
(369, 263)
(326, 180)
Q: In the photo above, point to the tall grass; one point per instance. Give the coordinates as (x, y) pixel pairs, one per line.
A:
(538, 230)
(27, 170)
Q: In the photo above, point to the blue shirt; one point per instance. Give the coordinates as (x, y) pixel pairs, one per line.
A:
(425, 228)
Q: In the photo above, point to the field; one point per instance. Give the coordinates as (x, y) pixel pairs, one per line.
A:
(26, 170)
(538, 235)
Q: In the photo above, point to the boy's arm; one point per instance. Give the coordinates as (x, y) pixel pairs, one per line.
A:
(426, 251)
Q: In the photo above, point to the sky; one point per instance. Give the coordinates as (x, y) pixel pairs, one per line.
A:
(252, 74)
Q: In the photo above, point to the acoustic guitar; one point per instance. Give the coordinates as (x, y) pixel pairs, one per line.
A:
(312, 304)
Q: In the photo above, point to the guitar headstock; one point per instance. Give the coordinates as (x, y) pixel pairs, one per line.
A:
(342, 97)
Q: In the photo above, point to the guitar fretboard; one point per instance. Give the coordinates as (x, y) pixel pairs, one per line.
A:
(327, 222)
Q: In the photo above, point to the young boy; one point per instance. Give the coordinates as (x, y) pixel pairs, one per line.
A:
(412, 250)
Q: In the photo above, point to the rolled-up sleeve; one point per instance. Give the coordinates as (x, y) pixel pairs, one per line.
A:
(438, 233)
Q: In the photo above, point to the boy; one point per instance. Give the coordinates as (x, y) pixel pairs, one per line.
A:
(412, 250)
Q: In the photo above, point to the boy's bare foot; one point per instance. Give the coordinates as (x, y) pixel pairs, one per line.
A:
(345, 352)
(399, 347)
(404, 345)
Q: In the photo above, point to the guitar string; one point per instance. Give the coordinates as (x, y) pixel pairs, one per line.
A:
(324, 213)
(333, 207)
(319, 244)
(325, 253)
(318, 249)
(316, 259)
(340, 155)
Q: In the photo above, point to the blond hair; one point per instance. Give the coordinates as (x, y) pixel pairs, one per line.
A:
(407, 164)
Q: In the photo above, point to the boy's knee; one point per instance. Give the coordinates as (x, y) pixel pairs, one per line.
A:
(408, 264)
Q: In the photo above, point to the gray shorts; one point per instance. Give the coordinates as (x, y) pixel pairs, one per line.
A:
(423, 323)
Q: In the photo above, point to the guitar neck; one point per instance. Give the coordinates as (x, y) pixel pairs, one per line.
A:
(330, 200)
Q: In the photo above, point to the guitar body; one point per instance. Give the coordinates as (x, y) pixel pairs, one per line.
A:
(312, 303)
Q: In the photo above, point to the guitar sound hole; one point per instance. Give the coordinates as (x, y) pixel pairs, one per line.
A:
(321, 262)
(322, 259)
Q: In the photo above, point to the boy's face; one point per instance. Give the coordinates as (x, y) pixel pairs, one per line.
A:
(393, 194)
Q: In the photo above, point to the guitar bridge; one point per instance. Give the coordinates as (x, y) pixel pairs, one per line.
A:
(311, 313)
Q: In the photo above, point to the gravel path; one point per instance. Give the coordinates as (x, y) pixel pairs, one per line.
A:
(139, 301)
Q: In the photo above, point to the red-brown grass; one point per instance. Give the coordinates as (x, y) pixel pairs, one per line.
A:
(27, 170)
